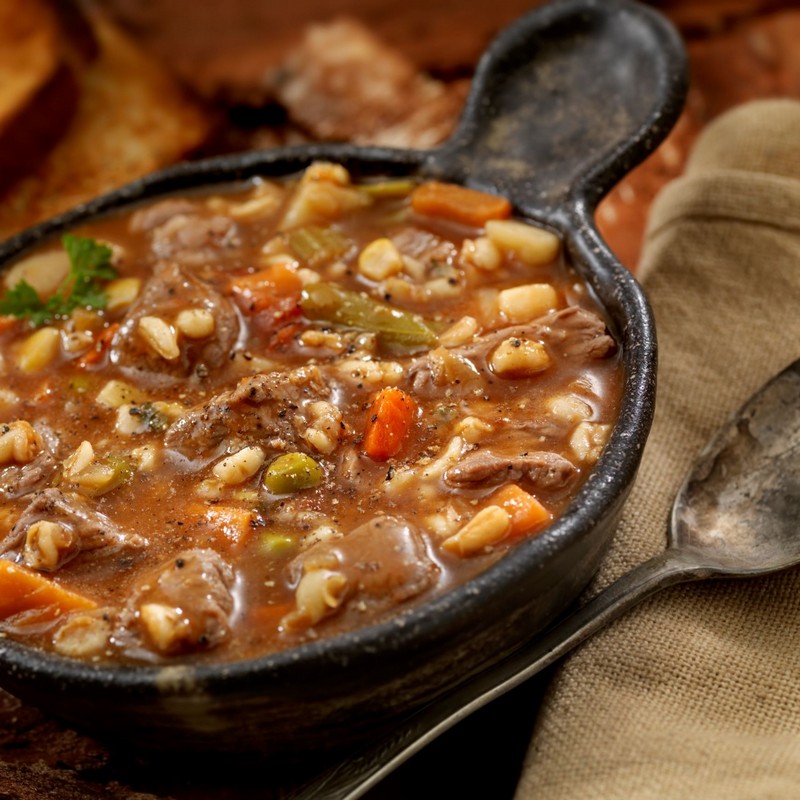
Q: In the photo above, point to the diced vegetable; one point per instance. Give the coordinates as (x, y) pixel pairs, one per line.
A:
(534, 246)
(100, 347)
(527, 514)
(275, 287)
(489, 526)
(39, 349)
(391, 417)
(458, 203)
(275, 544)
(397, 187)
(22, 589)
(317, 246)
(234, 523)
(292, 472)
(394, 328)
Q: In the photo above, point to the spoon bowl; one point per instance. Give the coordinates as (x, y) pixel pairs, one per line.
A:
(738, 509)
(734, 516)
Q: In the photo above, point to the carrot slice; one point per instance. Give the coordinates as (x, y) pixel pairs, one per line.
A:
(527, 514)
(7, 323)
(459, 204)
(101, 344)
(274, 287)
(391, 416)
(22, 589)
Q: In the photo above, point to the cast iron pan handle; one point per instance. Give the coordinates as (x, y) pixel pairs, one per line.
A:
(565, 102)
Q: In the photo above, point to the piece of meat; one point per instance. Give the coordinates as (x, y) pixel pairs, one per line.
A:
(545, 470)
(575, 332)
(170, 290)
(17, 480)
(571, 332)
(185, 606)
(194, 239)
(151, 216)
(84, 529)
(383, 563)
(343, 83)
(183, 231)
(264, 407)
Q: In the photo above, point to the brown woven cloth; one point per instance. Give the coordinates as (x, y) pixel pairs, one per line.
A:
(695, 694)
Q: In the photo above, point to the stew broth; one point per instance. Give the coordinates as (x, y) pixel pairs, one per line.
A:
(233, 423)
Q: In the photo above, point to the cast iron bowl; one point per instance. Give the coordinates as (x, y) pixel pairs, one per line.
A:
(564, 103)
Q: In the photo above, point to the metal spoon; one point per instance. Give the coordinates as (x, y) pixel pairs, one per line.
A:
(735, 516)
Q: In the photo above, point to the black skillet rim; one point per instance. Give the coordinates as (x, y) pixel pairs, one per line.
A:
(608, 482)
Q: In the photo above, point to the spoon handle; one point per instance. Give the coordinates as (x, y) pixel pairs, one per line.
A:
(352, 778)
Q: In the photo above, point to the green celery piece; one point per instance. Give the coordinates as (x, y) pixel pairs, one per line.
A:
(394, 328)
(394, 187)
(317, 246)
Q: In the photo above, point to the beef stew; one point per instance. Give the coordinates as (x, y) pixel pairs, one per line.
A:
(237, 422)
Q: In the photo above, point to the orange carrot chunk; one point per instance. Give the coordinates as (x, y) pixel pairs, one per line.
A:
(101, 344)
(276, 286)
(527, 514)
(456, 203)
(391, 416)
(22, 589)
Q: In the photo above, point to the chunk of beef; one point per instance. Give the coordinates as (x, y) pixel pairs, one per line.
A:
(341, 82)
(547, 471)
(381, 564)
(265, 407)
(571, 332)
(17, 480)
(183, 231)
(575, 332)
(185, 606)
(72, 527)
(151, 216)
(169, 291)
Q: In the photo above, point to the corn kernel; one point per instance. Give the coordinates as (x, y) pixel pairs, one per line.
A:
(380, 259)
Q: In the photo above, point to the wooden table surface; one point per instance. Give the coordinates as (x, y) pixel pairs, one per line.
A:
(739, 50)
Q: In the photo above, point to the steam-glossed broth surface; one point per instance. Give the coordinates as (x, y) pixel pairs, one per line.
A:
(234, 422)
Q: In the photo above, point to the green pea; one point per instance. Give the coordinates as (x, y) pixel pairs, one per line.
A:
(292, 472)
(275, 544)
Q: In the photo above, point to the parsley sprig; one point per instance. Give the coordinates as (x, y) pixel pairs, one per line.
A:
(89, 265)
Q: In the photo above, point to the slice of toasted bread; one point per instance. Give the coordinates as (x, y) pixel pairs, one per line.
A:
(131, 118)
(38, 88)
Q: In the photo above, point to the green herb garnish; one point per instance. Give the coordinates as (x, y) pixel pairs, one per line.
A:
(89, 264)
(153, 419)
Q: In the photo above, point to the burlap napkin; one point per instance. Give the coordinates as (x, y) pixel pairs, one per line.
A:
(696, 694)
